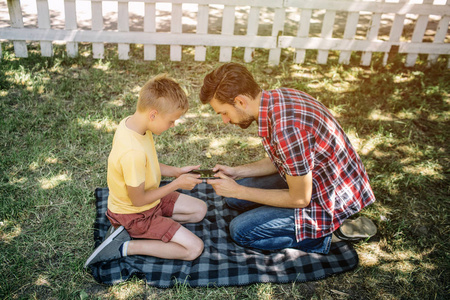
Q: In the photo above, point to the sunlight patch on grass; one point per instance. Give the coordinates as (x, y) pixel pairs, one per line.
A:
(409, 115)
(105, 124)
(428, 169)
(402, 78)
(102, 65)
(192, 115)
(17, 181)
(370, 144)
(369, 257)
(363, 146)
(19, 78)
(42, 281)
(378, 115)
(117, 103)
(35, 165)
(54, 181)
(218, 146)
(304, 75)
(8, 234)
(265, 291)
(404, 261)
(129, 290)
(339, 87)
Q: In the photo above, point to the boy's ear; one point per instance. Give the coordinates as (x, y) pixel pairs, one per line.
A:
(152, 114)
(241, 101)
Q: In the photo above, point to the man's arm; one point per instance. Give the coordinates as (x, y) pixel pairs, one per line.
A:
(262, 167)
(297, 196)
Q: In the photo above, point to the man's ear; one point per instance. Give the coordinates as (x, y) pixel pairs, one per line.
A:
(152, 114)
(241, 101)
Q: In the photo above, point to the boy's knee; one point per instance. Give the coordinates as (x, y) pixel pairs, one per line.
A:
(201, 212)
(195, 250)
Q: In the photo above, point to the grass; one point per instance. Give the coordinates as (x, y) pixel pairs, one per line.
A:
(57, 121)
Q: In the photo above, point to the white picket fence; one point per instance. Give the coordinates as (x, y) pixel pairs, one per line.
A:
(340, 25)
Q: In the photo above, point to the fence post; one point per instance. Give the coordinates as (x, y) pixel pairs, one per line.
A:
(277, 30)
(439, 37)
(150, 26)
(70, 11)
(202, 28)
(372, 35)
(349, 34)
(327, 32)
(44, 23)
(303, 32)
(396, 31)
(123, 26)
(227, 29)
(176, 27)
(419, 32)
(15, 14)
(252, 30)
(98, 49)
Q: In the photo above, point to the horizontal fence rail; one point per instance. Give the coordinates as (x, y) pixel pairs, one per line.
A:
(401, 26)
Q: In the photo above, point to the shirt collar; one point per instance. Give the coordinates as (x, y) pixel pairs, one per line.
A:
(263, 122)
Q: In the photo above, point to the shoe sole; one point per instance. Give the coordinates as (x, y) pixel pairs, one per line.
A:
(342, 237)
(104, 244)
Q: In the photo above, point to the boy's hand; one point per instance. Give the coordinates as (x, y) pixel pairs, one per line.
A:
(188, 181)
(187, 169)
(228, 171)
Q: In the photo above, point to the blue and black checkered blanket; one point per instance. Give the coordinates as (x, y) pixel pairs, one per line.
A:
(223, 263)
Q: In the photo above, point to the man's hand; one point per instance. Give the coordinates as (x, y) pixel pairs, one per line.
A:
(224, 186)
(226, 170)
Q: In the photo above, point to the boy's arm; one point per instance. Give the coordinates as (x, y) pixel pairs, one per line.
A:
(140, 197)
(170, 171)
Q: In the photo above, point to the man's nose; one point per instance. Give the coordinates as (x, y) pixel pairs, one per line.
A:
(225, 119)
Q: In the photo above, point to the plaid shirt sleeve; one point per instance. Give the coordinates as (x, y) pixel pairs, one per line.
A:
(294, 149)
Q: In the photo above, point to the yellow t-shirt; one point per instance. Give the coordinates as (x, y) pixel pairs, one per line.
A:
(132, 161)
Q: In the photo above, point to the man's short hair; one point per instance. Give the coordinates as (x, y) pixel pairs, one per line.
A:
(227, 82)
(163, 94)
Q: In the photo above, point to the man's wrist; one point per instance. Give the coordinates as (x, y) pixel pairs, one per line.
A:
(240, 191)
(239, 172)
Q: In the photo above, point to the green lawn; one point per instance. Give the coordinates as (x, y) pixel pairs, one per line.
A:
(57, 121)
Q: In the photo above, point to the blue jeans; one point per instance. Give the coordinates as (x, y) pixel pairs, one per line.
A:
(266, 227)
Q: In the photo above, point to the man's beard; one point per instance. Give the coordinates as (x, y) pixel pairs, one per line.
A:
(245, 120)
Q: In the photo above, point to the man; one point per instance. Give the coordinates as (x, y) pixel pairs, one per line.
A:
(311, 182)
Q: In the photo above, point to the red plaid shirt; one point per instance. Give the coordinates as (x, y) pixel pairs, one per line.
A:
(301, 135)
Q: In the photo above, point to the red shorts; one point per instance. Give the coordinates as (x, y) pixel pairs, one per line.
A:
(153, 224)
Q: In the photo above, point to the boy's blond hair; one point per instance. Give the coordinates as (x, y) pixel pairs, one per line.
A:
(163, 94)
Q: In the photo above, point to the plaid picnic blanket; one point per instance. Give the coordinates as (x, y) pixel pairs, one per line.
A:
(223, 263)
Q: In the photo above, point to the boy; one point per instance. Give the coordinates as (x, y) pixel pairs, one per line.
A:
(137, 206)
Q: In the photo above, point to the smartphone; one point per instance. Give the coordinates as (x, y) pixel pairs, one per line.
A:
(204, 174)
